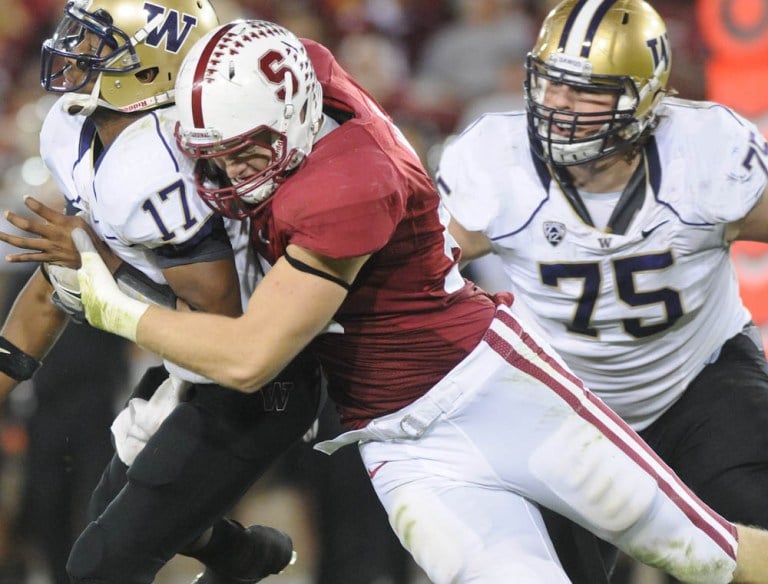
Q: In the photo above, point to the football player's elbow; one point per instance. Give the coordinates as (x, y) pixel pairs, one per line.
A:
(246, 376)
(239, 378)
(248, 386)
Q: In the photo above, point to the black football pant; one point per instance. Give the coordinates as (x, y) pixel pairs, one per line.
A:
(201, 461)
(715, 437)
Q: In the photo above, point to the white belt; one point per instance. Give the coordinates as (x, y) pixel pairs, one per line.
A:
(409, 422)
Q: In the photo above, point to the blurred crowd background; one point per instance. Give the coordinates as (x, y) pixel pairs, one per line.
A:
(435, 65)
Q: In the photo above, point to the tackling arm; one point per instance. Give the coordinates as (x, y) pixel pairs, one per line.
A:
(288, 309)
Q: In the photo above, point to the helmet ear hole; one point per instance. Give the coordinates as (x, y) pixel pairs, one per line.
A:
(303, 112)
(147, 75)
(103, 16)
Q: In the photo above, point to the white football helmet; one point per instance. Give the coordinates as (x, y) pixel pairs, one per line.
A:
(129, 50)
(618, 47)
(247, 83)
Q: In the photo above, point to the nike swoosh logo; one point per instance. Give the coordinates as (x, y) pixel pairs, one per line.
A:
(5, 351)
(646, 232)
(374, 470)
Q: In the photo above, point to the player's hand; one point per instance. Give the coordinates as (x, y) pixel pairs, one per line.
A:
(49, 237)
(106, 307)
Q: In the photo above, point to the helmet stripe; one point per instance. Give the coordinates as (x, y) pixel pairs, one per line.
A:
(581, 27)
(200, 69)
(569, 24)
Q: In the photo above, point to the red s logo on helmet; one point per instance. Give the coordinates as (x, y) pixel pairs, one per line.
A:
(272, 65)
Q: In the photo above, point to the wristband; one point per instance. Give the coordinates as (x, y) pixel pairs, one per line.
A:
(15, 363)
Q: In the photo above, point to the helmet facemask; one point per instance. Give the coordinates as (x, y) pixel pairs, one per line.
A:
(582, 136)
(616, 49)
(237, 199)
(83, 46)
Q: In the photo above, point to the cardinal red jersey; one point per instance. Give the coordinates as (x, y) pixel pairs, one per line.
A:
(410, 317)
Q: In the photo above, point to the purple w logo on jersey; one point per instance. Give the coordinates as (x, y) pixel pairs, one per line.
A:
(170, 29)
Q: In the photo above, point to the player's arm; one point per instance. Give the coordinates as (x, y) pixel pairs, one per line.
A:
(753, 227)
(32, 327)
(207, 286)
(200, 270)
(294, 303)
(473, 244)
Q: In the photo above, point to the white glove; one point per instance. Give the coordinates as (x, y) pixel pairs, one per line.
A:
(106, 307)
(66, 290)
(138, 422)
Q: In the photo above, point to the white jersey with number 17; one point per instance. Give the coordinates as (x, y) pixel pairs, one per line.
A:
(139, 195)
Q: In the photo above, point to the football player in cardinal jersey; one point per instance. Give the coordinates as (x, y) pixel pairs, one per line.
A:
(465, 419)
(611, 205)
(109, 143)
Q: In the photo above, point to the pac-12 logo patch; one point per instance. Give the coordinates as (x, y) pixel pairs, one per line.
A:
(554, 231)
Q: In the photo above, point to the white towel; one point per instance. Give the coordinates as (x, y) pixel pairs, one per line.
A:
(137, 423)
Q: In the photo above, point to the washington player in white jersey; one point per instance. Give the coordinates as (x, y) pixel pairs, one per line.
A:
(612, 206)
(465, 420)
(112, 152)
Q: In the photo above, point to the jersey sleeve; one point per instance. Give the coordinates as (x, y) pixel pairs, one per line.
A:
(731, 166)
(62, 139)
(210, 243)
(467, 192)
(357, 202)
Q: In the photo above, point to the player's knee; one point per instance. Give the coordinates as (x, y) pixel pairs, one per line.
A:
(449, 552)
(600, 482)
(87, 554)
(96, 558)
(429, 534)
(481, 569)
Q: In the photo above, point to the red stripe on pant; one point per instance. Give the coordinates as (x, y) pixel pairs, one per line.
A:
(574, 397)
